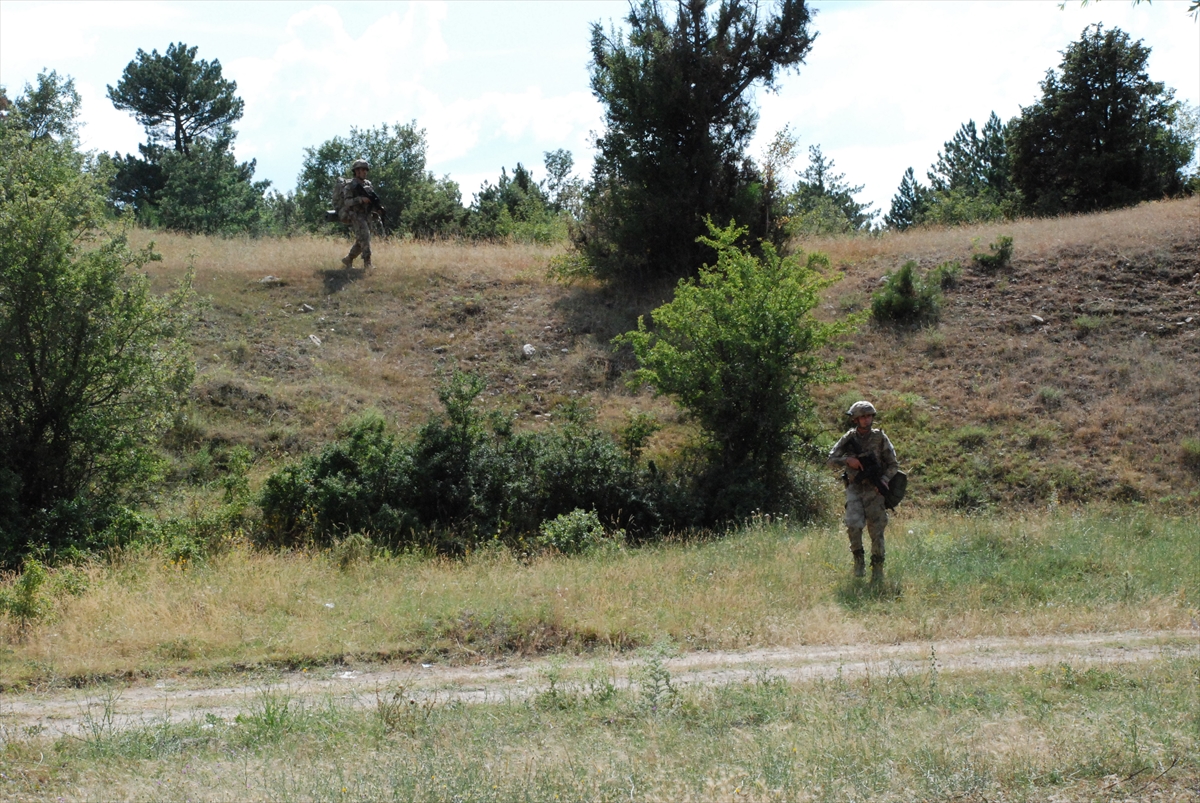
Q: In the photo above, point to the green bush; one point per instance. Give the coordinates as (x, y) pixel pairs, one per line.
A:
(577, 532)
(738, 348)
(907, 298)
(93, 363)
(999, 256)
(1050, 398)
(1085, 325)
(947, 275)
(25, 603)
(462, 478)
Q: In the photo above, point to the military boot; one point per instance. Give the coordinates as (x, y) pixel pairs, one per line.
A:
(366, 263)
(877, 568)
(860, 567)
(348, 263)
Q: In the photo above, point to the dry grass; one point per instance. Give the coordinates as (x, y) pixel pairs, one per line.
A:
(1127, 232)
(1112, 354)
(1116, 353)
(1067, 734)
(951, 577)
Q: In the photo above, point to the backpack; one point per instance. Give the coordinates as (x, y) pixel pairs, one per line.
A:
(339, 198)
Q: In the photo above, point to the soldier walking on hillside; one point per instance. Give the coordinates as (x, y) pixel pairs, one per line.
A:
(355, 212)
(869, 463)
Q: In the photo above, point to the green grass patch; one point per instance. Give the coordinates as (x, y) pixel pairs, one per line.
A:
(1069, 733)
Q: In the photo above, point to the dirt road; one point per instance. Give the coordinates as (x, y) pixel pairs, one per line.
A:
(180, 700)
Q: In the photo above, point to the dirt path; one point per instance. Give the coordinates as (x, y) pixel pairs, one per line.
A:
(181, 700)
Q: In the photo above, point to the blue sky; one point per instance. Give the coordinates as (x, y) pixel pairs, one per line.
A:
(496, 83)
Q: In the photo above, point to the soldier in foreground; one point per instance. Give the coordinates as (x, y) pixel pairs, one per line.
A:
(869, 463)
(359, 201)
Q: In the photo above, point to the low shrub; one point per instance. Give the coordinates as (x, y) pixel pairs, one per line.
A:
(907, 298)
(1189, 454)
(934, 343)
(1084, 325)
(577, 532)
(25, 603)
(999, 256)
(1050, 398)
(947, 275)
(970, 438)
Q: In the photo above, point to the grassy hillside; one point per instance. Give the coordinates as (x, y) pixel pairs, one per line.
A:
(1097, 400)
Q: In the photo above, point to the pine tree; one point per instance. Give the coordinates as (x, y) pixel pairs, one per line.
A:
(909, 204)
(678, 120)
(1102, 135)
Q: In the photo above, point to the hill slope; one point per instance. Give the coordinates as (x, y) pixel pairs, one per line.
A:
(1095, 400)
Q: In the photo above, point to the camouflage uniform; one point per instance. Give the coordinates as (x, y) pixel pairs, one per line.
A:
(357, 215)
(864, 503)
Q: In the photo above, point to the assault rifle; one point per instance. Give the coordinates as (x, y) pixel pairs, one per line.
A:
(871, 473)
(376, 204)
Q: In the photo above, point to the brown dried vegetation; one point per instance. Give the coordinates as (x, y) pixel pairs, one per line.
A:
(1095, 399)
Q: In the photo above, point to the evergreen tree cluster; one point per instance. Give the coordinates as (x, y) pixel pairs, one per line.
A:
(1103, 135)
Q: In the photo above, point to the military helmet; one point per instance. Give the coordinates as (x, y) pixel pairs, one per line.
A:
(861, 408)
(363, 163)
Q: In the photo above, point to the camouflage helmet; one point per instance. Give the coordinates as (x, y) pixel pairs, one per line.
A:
(363, 163)
(861, 408)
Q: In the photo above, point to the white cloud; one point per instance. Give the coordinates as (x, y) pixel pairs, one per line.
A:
(59, 35)
(107, 129)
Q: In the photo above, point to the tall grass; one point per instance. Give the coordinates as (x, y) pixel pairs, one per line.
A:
(772, 584)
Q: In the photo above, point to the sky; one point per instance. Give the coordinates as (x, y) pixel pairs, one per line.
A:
(885, 85)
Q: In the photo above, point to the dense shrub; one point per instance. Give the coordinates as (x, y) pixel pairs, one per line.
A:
(463, 477)
(1189, 455)
(739, 348)
(908, 298)
(946, 275)
(93, 363)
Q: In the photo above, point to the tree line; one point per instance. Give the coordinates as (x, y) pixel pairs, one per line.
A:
(679, 116)
(1101, 136)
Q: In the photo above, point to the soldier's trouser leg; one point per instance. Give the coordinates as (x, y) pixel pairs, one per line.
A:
(877, 519)
(855, 520)
(362, 231)
(362, 241)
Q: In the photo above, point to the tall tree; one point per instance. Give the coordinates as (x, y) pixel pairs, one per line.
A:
(974, 162)
(776, 159)
(823, 203)
(186, 177)
(177, 96)
(92, 364)
(564, 190)
(514, 207)
(208, 191)
(50, 109)
(970, 181)
(678, 118)
(1103, 134)
(416, 202)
